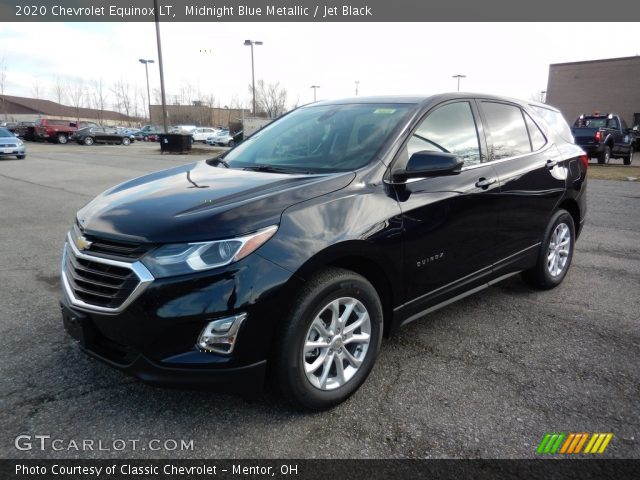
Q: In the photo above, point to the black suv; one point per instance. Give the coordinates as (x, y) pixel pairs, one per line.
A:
(294, 253)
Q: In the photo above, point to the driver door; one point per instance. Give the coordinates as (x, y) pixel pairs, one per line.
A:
(450, 222)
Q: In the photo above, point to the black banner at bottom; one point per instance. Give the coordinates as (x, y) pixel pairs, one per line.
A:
(317, 469)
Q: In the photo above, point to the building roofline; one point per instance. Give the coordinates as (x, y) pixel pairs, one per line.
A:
(602, 60)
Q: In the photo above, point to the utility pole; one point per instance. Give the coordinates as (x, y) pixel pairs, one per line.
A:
(160, 66)
(146, 68)
(251, 43)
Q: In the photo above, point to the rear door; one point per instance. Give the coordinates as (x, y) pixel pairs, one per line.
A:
(449, 222)
(532, 180)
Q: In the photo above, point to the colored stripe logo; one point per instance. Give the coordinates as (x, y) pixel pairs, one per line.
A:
(571, 443)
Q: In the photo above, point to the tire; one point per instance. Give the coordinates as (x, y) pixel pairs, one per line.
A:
(553, 261)
(629, 158)
(605, 156)
(88, 141)
(310, 320)
(21, 157)
(126, 141)
(231, 143)
(62, 139)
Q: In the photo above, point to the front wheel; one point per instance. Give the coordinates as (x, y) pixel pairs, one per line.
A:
(628, 159)
(21, 157)
(88, 140)
(231, 143)
(555, 254)
(126, 141)
(329, 341)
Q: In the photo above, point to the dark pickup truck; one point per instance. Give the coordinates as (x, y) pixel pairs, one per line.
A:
(604, 136)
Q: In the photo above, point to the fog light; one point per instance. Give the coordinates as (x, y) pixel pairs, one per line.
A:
(220, 335)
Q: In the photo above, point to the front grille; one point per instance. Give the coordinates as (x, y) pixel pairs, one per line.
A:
(112, 248)
(97, 283)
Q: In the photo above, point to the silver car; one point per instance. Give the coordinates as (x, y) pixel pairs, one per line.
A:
(10, 145)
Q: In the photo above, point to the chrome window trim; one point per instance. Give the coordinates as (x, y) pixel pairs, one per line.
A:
(144, 276)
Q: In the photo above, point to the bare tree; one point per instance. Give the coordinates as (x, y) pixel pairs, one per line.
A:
(270, 98)
(59, 90)
(76, 93)
(99, 97)
(36, 88)
(124, 101)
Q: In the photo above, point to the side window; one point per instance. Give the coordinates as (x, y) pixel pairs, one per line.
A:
(537, 137)
(507, 130)
(451, 129)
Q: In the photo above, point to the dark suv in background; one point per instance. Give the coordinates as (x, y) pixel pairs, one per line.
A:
(294, 253)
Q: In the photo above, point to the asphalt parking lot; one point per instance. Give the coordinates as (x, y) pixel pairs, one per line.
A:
(485, 377)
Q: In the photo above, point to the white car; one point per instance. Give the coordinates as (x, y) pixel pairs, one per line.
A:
(201, 134)
(223, 137)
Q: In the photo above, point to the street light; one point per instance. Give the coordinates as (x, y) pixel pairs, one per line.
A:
(357, 85)
(315, 89)
(146, 68)
(543, 94)
(251, 43)
(459, 77)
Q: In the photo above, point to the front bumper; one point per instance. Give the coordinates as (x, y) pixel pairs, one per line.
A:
(154, 337)
(12, 150)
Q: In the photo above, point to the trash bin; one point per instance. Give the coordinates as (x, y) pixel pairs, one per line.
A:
(175, 143)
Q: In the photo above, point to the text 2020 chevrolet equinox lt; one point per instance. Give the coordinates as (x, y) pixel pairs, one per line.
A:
(298, 250)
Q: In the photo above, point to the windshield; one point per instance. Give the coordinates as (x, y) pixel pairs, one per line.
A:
(318, 139)
(6, 133)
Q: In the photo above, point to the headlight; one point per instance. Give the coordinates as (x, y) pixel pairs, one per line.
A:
(182, 258)
(20, 143)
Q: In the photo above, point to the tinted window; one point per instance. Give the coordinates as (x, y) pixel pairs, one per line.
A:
(451, 129)
(555, 120)
(507, 130)
(537, 137)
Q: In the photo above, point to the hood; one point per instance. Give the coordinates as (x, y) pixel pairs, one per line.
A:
(199, 202)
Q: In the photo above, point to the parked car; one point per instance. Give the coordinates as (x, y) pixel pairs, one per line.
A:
(129, 132)
(11, 145)
(604, 136)
(148, 133)
(302, 247)
(91, 135)
(636, 133)
(201, 134)
(11, 126)
(223, 137)
(58, 131)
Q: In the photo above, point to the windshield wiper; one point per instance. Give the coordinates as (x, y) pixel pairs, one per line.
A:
(274, 169)
(218, 161)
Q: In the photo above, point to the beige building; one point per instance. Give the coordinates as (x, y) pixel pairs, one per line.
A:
(23, 109)
(606, 86)
(200, 115)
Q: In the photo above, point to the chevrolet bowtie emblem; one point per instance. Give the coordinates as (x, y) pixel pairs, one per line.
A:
(82, 243)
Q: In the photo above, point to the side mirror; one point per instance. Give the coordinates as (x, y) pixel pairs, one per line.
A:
(429, 164)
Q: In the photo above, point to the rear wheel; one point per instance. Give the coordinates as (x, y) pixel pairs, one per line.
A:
(628, 159)
(605, 156)
(88, 140)
(555, 254)
(62, 138)
(330, 340)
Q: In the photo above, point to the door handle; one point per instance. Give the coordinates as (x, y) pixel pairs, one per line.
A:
(484, 182)
(550, 164)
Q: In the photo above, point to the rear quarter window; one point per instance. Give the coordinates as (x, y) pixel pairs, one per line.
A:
(554, 120)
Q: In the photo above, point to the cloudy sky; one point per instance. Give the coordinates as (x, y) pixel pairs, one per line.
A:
(387, 58)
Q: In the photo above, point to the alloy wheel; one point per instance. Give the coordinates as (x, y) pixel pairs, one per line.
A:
(559, 249)
(336, 343)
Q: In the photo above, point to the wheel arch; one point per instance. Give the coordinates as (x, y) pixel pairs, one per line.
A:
(358, 257)
(571, 206)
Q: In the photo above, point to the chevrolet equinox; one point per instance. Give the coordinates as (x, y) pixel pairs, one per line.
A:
(293, 254)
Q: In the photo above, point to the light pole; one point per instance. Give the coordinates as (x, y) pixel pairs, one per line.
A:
(315, 89)
(251, 43)
(543, 94)
(161, 68)
(357, 85)
(146, 69)
(459, 77)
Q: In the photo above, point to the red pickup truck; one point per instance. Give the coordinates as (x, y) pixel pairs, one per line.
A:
(58, 131)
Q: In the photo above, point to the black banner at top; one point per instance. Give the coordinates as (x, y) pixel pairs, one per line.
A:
(315, 10)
